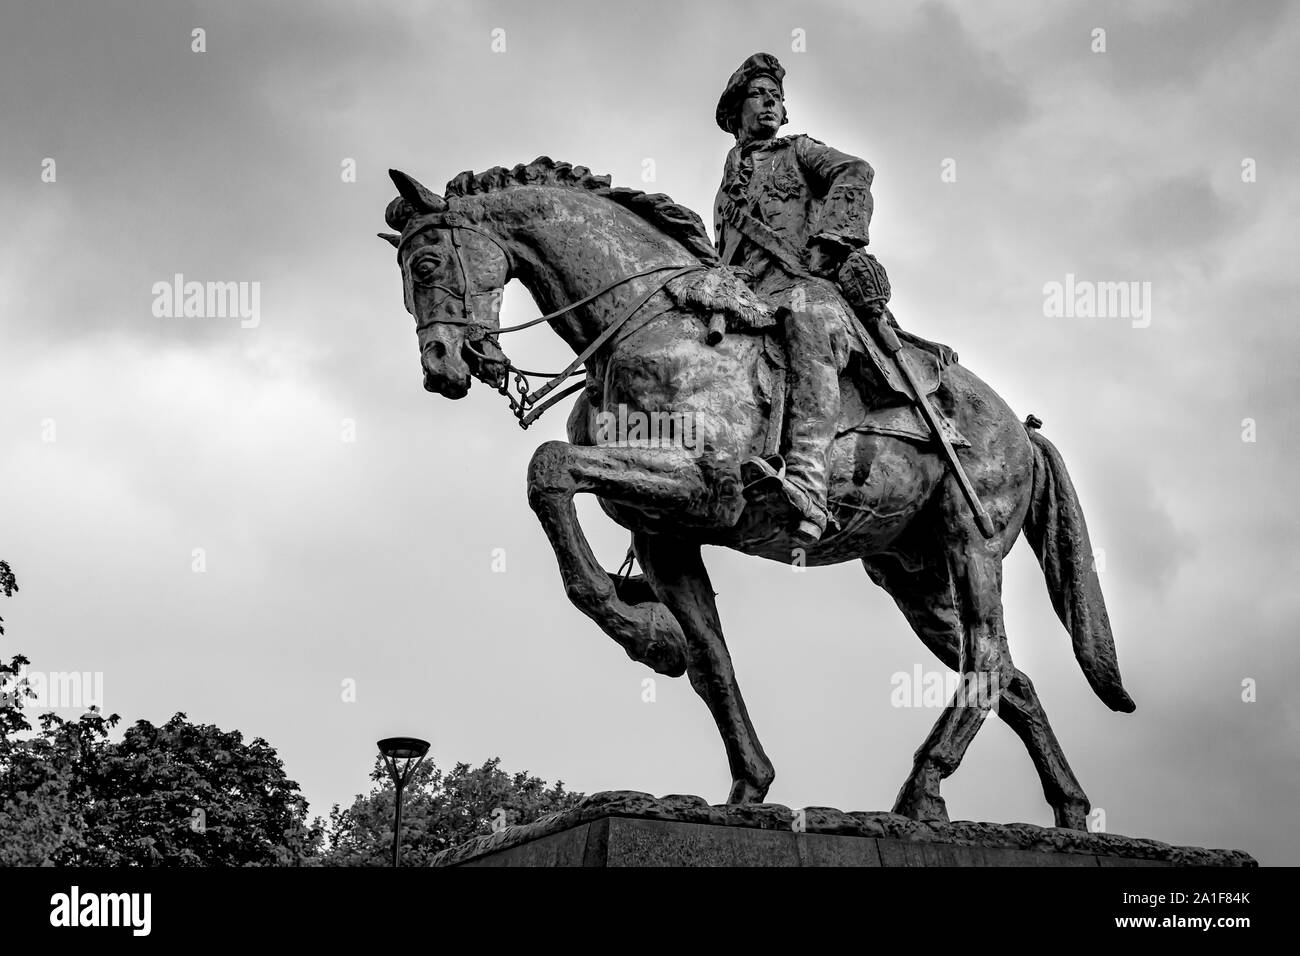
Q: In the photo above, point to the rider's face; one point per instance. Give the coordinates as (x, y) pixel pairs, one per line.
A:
(762, 109)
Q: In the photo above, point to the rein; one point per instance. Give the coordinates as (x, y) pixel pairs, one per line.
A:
(524, 405)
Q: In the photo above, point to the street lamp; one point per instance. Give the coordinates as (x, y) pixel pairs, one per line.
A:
(411, 751)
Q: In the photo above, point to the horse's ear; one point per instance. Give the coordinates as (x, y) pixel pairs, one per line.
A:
(391, 237)
(414, 193)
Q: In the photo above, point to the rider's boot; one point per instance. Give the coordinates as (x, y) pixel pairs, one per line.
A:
(814, 413)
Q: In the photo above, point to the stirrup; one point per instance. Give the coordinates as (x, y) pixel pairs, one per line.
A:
(807, 532)
(810, 528)
(767, 471)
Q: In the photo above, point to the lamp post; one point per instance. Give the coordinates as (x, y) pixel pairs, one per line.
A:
(411, 751)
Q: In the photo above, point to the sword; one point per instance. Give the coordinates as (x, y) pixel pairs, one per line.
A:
(888, 339)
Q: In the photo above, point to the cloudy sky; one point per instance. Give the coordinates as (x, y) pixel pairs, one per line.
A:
(129, 440)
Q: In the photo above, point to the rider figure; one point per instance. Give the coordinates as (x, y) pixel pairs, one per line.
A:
(790, 210)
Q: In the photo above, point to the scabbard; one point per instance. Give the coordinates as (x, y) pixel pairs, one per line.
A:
(888, 340)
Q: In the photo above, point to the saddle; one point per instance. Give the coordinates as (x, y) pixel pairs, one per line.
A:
(875, 398)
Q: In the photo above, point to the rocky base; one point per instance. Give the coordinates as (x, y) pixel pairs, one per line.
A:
(629, 828)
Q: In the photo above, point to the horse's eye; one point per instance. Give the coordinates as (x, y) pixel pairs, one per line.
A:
(426, 269)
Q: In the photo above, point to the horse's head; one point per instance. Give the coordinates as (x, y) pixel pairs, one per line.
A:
(453, 274)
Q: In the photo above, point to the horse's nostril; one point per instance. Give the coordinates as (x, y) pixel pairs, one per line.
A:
(439, 350)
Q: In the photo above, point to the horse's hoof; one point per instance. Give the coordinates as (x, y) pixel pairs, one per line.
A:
(928, 810)
(1072, 816)
(743, 791)
(921, 802)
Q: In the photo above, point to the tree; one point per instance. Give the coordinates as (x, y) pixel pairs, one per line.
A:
(191, 795)
(187, 794)
(181, 794)
(41, 818)
(11, 715)
(440, 809)
(36, 817)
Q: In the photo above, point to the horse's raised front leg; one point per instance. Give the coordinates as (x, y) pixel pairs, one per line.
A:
(664, 480)
(676, 572)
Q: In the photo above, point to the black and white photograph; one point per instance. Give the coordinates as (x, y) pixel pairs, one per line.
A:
(821, 435)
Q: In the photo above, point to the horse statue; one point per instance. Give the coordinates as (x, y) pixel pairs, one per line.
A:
(631, 282)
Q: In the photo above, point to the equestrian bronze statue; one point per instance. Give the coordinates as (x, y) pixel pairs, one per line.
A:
(809, 428)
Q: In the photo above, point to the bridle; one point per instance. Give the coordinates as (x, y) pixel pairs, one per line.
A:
(523, 403)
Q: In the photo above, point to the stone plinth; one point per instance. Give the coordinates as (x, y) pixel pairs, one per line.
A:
(627, 828)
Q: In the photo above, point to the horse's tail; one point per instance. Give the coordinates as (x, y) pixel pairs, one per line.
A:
(1058, 534)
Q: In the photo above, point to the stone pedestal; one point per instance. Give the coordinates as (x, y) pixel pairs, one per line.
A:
(626, 828)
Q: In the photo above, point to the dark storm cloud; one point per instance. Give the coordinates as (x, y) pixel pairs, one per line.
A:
(1180, 212)
(1175, 45)
(372, 559)
(933, 63)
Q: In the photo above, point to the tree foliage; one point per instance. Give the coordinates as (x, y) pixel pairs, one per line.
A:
(185, 794)
(440, 809)
(179, 794)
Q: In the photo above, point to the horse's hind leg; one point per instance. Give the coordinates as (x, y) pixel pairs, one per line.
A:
(1024, 714)
(677, 574)
(926, 599)
(974, 568)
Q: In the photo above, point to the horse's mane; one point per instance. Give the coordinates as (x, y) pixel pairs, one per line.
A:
(674, 219)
